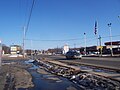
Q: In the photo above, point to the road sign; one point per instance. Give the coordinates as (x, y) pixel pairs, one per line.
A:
(99, 47)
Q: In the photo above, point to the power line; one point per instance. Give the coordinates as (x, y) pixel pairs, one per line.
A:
(60, 40)
(29, 18)
(72, 39)
(112, 36)
(89, 40)
(56, 39)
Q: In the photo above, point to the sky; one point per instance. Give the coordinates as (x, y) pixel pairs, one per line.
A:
(55, 23)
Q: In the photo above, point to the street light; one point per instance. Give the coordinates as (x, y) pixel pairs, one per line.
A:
(109, 25)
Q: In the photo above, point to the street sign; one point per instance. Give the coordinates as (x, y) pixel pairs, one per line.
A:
(99, 47)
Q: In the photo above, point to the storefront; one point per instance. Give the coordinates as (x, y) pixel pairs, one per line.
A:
(115, 45)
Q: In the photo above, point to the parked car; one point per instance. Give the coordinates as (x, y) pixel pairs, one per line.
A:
(73, 55)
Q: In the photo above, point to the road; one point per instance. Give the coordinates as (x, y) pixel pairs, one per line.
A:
(112, 62)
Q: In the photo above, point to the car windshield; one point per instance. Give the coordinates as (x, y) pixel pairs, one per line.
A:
(76, 53)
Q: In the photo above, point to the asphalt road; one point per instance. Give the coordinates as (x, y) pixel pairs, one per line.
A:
(112, 62)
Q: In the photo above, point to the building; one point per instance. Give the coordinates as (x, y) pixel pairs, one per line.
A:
(15, 49)
(5, 49)
(54, 51)
(115, 46)
(65, 49)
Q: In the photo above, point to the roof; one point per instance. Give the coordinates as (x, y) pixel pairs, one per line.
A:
(113, 43)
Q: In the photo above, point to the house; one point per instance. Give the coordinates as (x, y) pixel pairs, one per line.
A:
(15, 49)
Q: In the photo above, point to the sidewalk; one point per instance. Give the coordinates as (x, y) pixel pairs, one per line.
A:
(109, 58)
(104, 56)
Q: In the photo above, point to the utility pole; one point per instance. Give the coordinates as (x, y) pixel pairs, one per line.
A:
(0, 54)
(109, 25)
(85, 43)
(24, 29)
(31, 50)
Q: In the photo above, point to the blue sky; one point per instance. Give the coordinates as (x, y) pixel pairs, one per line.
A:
(58, 22)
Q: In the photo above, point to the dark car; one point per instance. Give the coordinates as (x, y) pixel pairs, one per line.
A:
(73, 55)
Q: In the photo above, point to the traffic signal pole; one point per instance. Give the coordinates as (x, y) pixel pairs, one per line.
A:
(100, 45)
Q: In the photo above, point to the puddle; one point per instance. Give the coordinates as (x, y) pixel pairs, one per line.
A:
(85, 68)
(48, 81)
(98, 70)
(34, 67)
